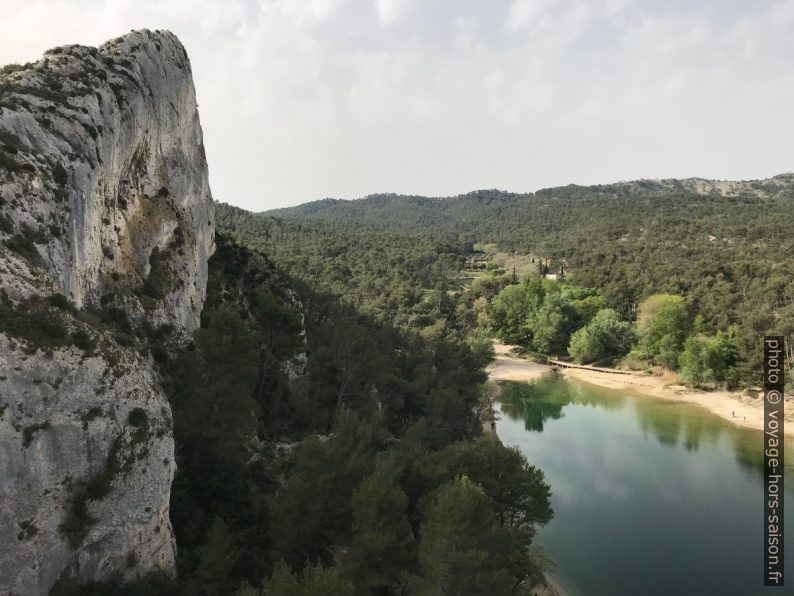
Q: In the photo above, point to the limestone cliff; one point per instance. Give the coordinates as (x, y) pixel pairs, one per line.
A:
(106, 224)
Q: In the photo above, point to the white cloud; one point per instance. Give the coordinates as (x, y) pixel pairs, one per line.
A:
(307, 11)
(466, 33)
(522, 13)
(613, 7)
(393, 11)
(301, 100)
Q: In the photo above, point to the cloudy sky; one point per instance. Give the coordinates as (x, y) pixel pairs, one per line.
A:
(302, 100)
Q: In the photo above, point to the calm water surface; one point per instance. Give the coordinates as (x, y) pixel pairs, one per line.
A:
(650, 496)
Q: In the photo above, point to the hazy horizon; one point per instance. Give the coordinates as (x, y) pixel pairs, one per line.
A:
(301, 101)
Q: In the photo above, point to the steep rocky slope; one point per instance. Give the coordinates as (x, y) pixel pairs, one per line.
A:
(106, 225)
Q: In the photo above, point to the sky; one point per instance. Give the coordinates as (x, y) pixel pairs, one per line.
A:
(302, 100)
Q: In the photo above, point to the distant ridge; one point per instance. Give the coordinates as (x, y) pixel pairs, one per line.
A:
(762, 187)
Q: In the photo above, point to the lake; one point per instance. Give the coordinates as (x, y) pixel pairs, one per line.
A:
(650, 496)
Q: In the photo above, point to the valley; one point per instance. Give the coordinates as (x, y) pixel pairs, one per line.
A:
(197, 399)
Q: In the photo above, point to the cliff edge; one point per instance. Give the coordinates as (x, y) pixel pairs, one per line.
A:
(106, 225)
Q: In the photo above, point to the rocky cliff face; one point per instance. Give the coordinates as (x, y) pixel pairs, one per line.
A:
(105, 229)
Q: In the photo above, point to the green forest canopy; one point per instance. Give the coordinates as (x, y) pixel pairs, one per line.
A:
(725, 248)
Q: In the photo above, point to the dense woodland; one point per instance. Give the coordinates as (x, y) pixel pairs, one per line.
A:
(328, 449)
(725, 248)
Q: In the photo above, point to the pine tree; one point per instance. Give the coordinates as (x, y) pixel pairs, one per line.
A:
(315, 580)
(460, 545)
(378, 554)
(218, 557)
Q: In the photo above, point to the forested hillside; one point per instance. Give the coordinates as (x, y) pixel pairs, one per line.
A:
(378, 271)
(322, 449)
(725, 247)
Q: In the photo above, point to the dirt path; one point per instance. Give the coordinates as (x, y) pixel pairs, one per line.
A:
(735, 407)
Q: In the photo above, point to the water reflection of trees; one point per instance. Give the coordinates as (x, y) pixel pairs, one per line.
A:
(673, 423)
(748, 446)
(668, 422)
(544, 399)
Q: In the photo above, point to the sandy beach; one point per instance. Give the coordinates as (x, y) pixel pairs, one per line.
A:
(507, 367)
(552, 588)
(735, 407)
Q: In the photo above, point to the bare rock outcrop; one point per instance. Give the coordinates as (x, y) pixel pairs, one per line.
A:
(106, 225)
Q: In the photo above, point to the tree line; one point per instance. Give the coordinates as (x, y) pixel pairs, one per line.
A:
(727, 250)
(557, 319)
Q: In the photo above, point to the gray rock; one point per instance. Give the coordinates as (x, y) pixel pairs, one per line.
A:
(66, 424)
(112, 139)
(104, 197)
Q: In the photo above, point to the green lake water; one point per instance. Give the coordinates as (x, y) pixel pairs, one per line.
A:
(650, 496)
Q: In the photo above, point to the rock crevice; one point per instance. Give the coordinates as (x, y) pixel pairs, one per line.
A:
(106, 225)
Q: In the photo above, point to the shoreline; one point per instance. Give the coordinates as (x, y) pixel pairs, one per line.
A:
(735, 407)
(552, 588)
(507, 367)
